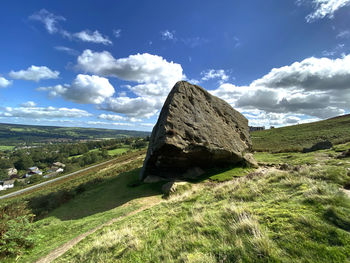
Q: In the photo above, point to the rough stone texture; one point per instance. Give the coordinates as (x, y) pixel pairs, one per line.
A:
(195, 129)
(319, 146)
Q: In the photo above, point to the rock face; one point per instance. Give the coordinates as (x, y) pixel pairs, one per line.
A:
(195, 130)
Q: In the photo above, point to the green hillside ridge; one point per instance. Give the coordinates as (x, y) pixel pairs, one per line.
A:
(14, 134)
(295, 138)
(294, 208)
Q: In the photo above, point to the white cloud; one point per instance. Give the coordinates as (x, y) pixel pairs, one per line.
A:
(94, 37)
(140, 107)
(215, 74)
(153, 74)
(51, 23)
(167, 35)
(4, 82)
(49, 20)
(109, 123)
(117, 33)
(84, 89)
(325, 8)
(111, 117)
(43, 112)
(28, 104)
(344, 34)
(68, 50)
(315, 87)
(35, 73)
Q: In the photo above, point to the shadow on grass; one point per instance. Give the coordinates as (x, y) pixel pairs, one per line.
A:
(105, 196)
(221, 174)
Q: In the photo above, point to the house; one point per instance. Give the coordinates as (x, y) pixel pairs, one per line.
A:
(58, 164)
(53, 171)
(252, 128)
(7, 184)
(33, 170)
(12, 171)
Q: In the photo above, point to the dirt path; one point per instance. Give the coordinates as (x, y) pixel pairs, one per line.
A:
(146, 201)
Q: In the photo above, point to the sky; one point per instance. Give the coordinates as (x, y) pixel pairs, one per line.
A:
(111, 64)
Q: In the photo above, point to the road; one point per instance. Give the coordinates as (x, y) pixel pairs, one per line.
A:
(52, 180)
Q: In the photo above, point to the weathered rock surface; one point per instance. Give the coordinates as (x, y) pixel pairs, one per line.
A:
(195, 130)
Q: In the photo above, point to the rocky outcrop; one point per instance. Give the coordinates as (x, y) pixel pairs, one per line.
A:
(195, 131)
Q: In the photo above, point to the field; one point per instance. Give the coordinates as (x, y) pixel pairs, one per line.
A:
(6, 147)
(118, 151)
(297, 137)
(294, 208)
(14, 134)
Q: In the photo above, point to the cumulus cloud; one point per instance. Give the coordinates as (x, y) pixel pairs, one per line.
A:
(35, 73)
(111, 117)
(43, 112)
(215, 74)
(324, 8)
(84, 89)
(315, 87)
(49, 20)
(310, 74)
(4, 82)
(94, 37)
(28, 104)
(153, 74)
(139, 107)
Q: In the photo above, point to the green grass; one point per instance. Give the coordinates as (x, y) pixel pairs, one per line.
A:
(228, 174)
(77, 156)
(295, 138)
(267, 213)
(91, 208)
(118, 151)
(6, 147)
(286, 216)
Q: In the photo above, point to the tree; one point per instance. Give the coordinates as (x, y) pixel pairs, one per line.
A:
(3, 175)
(5, 163)
(24, 162)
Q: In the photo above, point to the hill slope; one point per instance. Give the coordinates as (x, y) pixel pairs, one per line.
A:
(297, 137)
(11, 134)
(298, 214)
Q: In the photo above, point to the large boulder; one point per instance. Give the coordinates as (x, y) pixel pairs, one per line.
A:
(195, 130)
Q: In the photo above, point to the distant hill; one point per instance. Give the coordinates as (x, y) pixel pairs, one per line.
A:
(13, 134)
(297, 137)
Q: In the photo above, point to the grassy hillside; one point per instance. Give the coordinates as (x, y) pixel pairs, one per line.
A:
(297, 137)
(296, 215)
(12, 134)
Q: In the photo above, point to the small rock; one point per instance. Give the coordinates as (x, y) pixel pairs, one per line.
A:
(250, 161)
(171, 187)
(284, 166)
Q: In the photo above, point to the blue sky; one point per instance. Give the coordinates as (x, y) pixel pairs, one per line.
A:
(111, 64)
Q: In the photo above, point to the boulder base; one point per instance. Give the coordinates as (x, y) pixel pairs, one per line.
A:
(195, 130)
